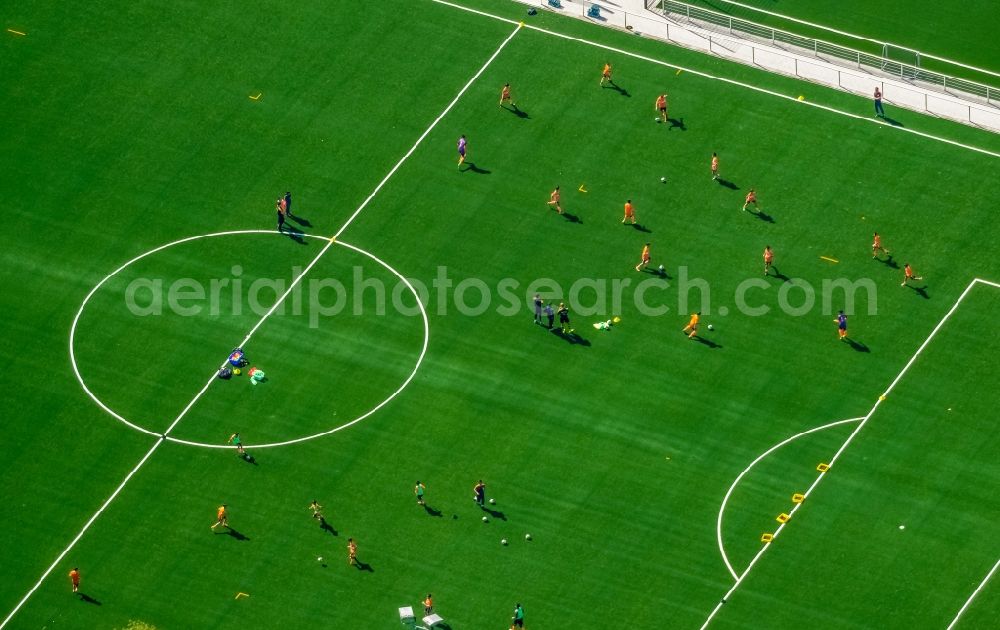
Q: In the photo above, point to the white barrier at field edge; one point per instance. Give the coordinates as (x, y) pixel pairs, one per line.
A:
(633, 16)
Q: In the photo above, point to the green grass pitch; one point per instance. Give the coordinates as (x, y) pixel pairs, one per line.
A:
(130, 126)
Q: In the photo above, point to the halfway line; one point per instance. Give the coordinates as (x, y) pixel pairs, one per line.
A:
(427, 132)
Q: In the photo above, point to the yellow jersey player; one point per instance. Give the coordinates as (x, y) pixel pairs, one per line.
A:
(505, 96)
(692, 326)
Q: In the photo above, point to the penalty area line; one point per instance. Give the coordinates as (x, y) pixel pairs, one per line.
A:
(163, 436)
(973, 596)
(861, 425)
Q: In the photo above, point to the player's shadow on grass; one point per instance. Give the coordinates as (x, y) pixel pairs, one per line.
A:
(893, 121)
(571, 337)
(618, 88)
(856, 345)
(304, 222)
(235, 534)
(888, 262)
(517, 111)
(472, 168)
(495, 513)
(364, 566)
(572, 218)
(676, 123)
(778, 275)
(725, 183)
(921, 291)
(87, 599)
(295, 234)
(655, 271)
(707, 342)
(250, 459)
(639, 227)
(432, 512)
(763, 216)
(327, 527)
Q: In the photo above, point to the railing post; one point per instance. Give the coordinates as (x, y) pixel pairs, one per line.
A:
(796, 66)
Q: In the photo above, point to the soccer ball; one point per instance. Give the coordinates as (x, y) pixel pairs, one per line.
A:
(711, 327)
(660, 268)
(503, 541)
(485, 519)
(663, 180)
(493, 501)
(236, 371)
(319, 559)
(527, 536)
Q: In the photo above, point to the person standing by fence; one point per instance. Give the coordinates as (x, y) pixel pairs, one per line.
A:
(879, 112)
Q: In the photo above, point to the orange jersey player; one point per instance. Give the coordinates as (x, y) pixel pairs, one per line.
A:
(606, 74)
(877, 246)
(692, 326)
(554, 198)
(715, 166)
(629, 212)
(909, 275)
(74, 578)
(428, 604)
(644, 262)
(661, 106)
(768, 258)
(352, 552)
(221, 516)
(751, 199)
(505, 96)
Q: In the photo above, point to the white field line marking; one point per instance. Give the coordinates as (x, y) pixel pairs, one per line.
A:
(973, 596)
(793, 99)
(83, 531)
(298, 278)
(840, 451)
(725, 500)
(428, 131)
(860, 37)
(413, 373)
(121, 418)
(992, 284)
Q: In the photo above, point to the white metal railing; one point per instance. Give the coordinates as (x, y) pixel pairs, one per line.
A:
(884, 45)
(831, 52)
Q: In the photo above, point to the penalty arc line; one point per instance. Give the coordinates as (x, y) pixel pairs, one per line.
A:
(877, 121)
(843, 447)
(162, 437)
(725, 500)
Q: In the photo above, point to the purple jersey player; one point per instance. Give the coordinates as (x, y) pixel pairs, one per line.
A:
(461, 151)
